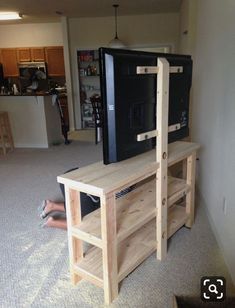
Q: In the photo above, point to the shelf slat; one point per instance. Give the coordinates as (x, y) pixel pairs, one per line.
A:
(177, 188)
(90, 268)
(132, 251)
(133, 211)
(136, 248)
(177, 217)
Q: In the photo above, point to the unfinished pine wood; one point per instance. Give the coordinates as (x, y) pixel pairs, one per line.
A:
(95, 179)
(99, 179)
(177, 217)
(73, 210)
(90, 268)
(132, 251)
(109, 251)
(190, 178)
(133, 211)
(161, 155)
(180, 150)
(177, 189)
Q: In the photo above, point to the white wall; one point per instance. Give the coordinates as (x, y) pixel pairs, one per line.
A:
(31, 35)
(138, 30)
(214, 117)
(187, 35)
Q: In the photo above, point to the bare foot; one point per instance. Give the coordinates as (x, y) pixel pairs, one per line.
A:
(53, 206)
(56, 223)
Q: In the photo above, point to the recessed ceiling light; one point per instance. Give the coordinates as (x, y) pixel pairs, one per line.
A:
(10, 15)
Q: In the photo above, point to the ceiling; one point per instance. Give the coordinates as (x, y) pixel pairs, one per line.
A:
(51, 10)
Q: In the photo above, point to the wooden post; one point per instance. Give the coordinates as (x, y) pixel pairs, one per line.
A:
(190, 179)
(161, 156)
(109, 239)
(73, 209)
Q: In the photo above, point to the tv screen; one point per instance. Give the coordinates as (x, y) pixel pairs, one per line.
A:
(129, 101)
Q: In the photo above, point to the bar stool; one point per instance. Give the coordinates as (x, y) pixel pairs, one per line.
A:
(6, 140)
(98, 118)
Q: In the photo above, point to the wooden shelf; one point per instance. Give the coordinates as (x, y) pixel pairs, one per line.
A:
(177, 189)
(131, 251)
(133, 211)
(115, 176)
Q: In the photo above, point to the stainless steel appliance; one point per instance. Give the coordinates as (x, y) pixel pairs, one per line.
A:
(26, 69)
(33, 76)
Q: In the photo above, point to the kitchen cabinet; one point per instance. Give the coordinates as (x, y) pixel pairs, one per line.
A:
(27, 54)
(23, 54)
(89, 83)
(55, 61)
(9, 62)
(37, 54)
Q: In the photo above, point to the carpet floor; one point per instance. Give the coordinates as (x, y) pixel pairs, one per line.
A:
(34, 260)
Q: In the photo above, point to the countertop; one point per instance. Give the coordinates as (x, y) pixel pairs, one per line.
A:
(35, 94)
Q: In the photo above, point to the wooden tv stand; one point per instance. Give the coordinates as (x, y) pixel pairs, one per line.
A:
(125, 231)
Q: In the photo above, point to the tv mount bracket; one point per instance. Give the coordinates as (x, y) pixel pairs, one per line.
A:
(155, 70)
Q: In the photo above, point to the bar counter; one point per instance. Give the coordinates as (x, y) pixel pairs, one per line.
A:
(35, 121)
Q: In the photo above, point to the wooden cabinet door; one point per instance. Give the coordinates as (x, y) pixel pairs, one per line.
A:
(9, 62)
(55, 61)
(37, 54)
(23, 54)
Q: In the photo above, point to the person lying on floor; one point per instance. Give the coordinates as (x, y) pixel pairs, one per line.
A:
(49, 210)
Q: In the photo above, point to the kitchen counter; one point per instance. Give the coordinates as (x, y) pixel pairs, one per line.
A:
(35, 121)
(26, 94)
(62, 94)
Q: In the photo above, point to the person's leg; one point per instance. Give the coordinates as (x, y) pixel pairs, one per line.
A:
(56, 223)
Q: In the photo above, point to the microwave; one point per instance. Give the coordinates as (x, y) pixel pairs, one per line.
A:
(29, 69)
(32, 76)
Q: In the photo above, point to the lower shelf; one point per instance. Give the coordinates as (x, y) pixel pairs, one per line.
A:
(133, 211)
(132, 251)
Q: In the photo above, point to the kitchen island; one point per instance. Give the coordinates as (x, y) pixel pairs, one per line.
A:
(35, 122)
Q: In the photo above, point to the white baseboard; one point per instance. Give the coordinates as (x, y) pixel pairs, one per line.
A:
(30, 145)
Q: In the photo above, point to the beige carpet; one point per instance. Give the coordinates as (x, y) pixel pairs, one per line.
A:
(34, 261)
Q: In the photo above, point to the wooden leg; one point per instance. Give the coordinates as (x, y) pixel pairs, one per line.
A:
(190, 179)
(161, 156)
(161, 197)
(109, 238)
(73, 210)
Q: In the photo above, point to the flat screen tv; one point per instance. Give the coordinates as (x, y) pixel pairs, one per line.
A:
(129, 100)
